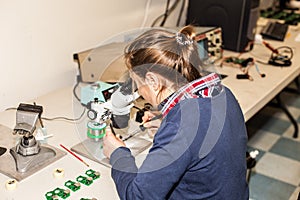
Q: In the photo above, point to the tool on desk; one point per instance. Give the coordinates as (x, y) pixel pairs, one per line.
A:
(73, 154)
(268, 45)
(28, 152)
(142, 127)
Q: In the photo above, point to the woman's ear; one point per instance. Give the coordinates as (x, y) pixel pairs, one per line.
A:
(152, 80)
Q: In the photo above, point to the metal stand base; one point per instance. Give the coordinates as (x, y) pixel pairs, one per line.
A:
(25, 163)
(31, 164)
(93, 150)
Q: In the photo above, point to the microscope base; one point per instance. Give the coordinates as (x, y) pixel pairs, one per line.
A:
(25, 163)
(9, 166)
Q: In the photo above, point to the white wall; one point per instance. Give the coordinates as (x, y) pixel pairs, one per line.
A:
(38, 39)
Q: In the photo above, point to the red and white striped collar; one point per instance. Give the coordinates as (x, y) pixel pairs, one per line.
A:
(204, 87)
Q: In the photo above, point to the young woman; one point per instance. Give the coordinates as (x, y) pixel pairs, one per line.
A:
(199, 150)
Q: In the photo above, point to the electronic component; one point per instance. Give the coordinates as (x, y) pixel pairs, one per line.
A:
(11, 184)
(58, 192)
(209, 41)
(85, 180)
(282, 57)
(288, 16)
(74, 186)
(93, 174)
(58, 173)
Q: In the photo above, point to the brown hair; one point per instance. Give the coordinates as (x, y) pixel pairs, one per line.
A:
(172, 55)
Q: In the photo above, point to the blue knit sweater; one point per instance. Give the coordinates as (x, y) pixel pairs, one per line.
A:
(199, 152)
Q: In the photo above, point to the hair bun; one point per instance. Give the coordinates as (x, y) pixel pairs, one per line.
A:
(189, 32)
(185, 36)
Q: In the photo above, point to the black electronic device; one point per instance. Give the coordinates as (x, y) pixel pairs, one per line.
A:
(237, 18)
(275, 31)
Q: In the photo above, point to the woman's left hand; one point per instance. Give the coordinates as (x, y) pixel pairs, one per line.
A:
(111, 143)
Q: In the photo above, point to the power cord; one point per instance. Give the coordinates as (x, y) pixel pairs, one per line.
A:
(281, 57)
(78, 79)
(180, 12)
(56, 118)
(65, 118)
(166, 13)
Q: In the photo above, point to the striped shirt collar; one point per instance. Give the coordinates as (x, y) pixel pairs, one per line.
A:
(204, 87)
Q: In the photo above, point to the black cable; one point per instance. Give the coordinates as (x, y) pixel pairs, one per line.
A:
(75, 87)
(154, 22)
(180, 13)
(285, 47)
(55, 118)
(261, 62)
(279, 57)
(65, 118)
(12, 108)
(166, 14)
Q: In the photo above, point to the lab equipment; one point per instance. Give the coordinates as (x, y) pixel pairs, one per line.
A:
(122, 102)
(237, 20)
(275, 31)
(25, 155)
(114, 112)
(28, 152)
(117, 109)
(100, 90)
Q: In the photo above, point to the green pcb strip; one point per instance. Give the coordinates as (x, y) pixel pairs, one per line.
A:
(74, 186)
(93, 174)
(58, 193)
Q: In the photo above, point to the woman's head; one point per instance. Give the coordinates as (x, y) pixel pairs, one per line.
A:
(164, 56)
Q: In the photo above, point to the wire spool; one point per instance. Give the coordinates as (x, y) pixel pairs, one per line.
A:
(11, 184)
(58, 173)
(96, 130)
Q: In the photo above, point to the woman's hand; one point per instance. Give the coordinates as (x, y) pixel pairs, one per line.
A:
(111, 143)
(152, 126)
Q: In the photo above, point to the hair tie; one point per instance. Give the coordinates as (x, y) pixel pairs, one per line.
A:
(179, 39)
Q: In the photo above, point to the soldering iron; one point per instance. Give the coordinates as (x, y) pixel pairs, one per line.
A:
(142, 127)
